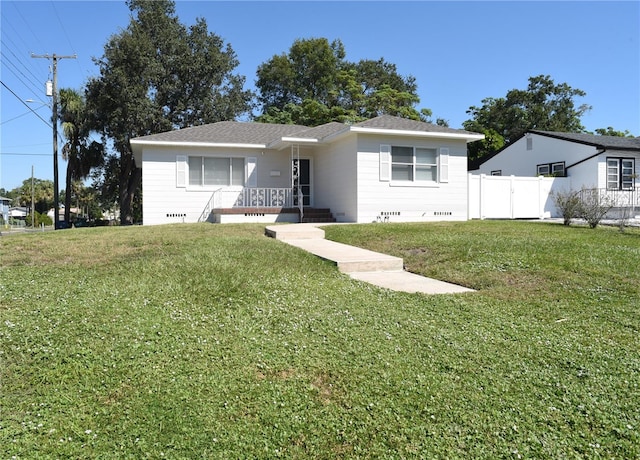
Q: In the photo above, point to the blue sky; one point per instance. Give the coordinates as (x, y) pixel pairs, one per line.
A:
(459, 52)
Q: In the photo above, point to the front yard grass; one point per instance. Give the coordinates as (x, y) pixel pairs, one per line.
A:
(214, 341)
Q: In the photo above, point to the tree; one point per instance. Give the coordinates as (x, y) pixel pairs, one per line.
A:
(81, 153)
(609, 131)
(42, 194)
(544, 105)
(157, 75)
(315, 84)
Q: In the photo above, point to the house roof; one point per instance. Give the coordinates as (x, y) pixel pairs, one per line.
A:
(267, 135)
(388, 122)
(597, 141)
(225, 132)
(602, 142)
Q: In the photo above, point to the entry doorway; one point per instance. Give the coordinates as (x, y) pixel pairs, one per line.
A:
(301, 177)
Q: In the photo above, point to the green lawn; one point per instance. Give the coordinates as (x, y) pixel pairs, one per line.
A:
(214, 341)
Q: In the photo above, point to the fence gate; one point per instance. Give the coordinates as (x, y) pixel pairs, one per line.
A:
(513, 197)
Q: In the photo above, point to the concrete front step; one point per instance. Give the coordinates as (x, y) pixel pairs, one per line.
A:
(318, 220)
(294, 232)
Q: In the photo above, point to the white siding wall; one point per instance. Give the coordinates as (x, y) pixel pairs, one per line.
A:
(516, 160)
(335, 179)
(402, 202)
(163, 202)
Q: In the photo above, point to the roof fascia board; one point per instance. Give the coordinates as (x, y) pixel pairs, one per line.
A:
(196, 144)
(578, 141)
(396, 132)
(283, 142)
(566, 139)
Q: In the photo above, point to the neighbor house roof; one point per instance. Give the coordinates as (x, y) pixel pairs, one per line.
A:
(266, 135)
(597, 141)
(602, 142)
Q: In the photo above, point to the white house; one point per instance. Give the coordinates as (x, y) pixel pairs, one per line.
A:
(383, 169)
(606, 163)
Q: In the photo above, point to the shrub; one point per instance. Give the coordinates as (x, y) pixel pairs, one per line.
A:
(40, 219)
(594, 205)
(568, 203)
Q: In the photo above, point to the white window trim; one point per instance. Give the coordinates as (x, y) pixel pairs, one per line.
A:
(210, 187)
(441, 164)
(619, 173)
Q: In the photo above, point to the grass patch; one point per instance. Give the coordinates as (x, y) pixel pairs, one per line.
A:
(214, 341)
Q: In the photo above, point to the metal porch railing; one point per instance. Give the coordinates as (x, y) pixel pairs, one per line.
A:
(248, 198)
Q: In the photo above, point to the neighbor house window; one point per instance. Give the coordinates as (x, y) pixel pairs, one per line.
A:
(620, 173)
(543, 170)
(496, 172)
(205, 171)
(414, 164)
(551, 169)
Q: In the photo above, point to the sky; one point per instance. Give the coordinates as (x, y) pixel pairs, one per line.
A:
(460, 52)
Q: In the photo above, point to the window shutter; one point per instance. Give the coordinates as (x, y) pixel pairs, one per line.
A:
(181, 171)
(443, 170)
(252, 174)
(385, 162)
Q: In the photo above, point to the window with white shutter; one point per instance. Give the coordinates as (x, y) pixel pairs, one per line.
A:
(444, 164)
(181, 171)
(385, 162)
(252, 173)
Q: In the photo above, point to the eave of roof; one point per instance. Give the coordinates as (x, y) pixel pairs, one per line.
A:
(601, 142)
(231, 134)
(468, 136)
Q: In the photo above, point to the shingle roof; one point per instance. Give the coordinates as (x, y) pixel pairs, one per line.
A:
(322, 131)
(404, 124)
(227, 132)
(606, 142)
(233, 132)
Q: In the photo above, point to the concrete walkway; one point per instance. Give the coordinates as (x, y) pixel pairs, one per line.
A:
(361, 264)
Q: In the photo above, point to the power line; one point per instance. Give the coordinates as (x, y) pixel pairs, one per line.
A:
(8, 39)
(14, 118)
(8, 61)
(26, 105)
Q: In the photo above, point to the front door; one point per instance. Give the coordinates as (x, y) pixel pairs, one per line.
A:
(301, 177)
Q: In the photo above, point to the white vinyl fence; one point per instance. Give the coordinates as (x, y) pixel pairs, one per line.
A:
(512, 197)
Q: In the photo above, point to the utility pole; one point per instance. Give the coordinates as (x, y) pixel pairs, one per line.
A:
(56, 198)
(33, 214)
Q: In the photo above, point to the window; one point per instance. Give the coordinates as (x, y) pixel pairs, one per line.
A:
(543, 170)
(551, 169)
(205, 171)
(414, 164)
(557, 169)
(496, 172)
(620, 173)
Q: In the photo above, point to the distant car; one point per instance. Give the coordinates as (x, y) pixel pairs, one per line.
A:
(81, 222)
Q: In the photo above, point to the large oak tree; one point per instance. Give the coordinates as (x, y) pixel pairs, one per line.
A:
(544, 105)
(314, 83)
(157, 75)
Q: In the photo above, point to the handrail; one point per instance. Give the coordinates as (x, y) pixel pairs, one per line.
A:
(617, 198)
(211, 205)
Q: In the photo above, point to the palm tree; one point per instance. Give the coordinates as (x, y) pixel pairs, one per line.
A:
(80, 153)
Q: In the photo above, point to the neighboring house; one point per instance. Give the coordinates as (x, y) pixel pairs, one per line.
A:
(5, 203)
(606, 163)
(383, 169)
(18, 212)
